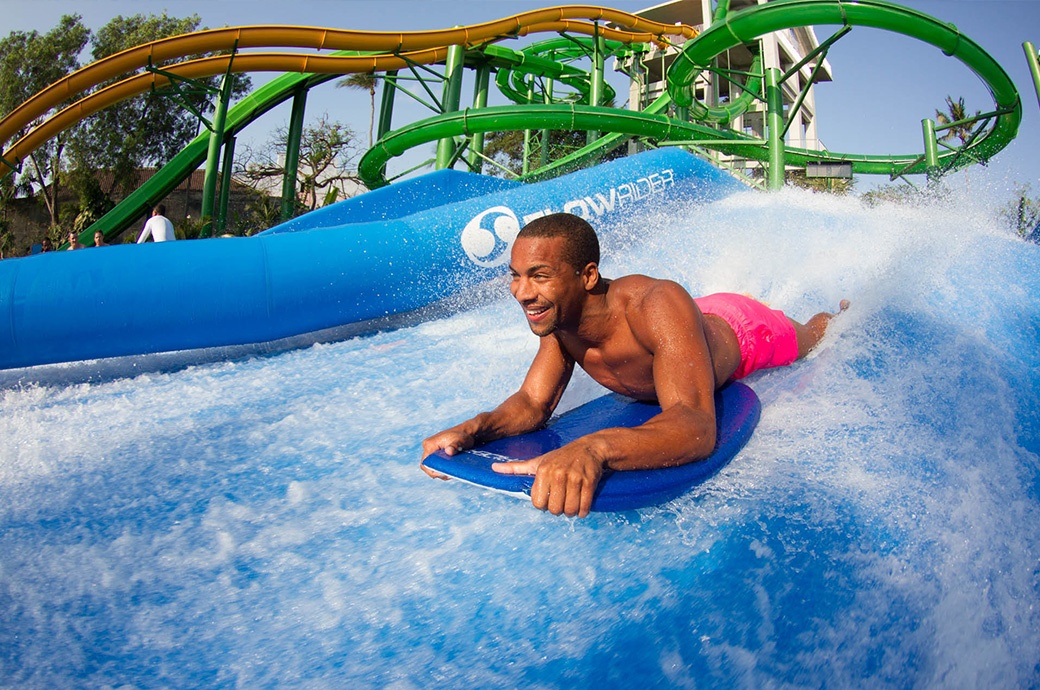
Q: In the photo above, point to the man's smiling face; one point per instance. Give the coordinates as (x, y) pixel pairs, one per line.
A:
(548, 288)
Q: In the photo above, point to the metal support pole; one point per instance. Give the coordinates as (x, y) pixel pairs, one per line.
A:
(526, 168)
(216, 138)
(292, 152)
(775, 128)
(450, 101)
(1034, 66)
(596, 92)
(546, 133)
(480, 98)
(225, 184)
(386, 104)
(931, 149)
(386, 108)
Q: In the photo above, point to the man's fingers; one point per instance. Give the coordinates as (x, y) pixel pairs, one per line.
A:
(575, 497)
(519, 467)
(540, 492)
(433, 473)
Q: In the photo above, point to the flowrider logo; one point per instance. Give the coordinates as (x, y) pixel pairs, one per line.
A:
(488, 236)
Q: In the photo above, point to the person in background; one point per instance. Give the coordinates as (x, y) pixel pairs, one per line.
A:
(158, 227)
(74, 242)
(99, 239)
(46, 246)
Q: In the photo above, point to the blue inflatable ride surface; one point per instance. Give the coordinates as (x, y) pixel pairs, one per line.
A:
(355, 263)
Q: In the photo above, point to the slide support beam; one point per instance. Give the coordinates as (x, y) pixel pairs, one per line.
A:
(292, 151)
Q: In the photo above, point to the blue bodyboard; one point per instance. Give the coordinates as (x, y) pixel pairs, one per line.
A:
(736, 409)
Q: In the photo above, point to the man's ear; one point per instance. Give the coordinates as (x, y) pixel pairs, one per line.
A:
(590, 276)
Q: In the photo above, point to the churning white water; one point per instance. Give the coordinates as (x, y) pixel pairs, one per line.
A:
(263, 522)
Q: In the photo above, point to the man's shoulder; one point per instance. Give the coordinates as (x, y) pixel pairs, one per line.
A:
(637, 287)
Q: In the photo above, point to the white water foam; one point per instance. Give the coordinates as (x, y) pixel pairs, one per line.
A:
(263, 523)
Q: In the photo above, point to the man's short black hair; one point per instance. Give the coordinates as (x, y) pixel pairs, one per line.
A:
(161, 209)
(581, 246)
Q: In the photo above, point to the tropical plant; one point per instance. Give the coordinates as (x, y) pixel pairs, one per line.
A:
(1022, 215)
(831, 185)
(364, 81)
(956, 114)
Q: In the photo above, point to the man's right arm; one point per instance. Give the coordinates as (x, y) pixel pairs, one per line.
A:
(145, 232)
(526, 410)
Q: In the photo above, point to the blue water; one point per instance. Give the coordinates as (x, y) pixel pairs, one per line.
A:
(263, 523)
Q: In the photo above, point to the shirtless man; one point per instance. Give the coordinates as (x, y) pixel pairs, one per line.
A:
(638, 336)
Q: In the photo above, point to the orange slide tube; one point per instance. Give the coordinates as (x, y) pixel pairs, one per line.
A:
(422, 44)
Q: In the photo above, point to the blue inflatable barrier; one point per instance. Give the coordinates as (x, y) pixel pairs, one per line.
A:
(353, 264)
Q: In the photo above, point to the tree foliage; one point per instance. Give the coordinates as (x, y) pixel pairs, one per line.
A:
(150, 129)
(29, 62)
(955, 115)
(1022, 215)
(507, 149)
(98, 159)
(831, 185)
(328, 151)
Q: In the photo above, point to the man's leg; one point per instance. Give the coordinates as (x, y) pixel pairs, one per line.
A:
(812, 331)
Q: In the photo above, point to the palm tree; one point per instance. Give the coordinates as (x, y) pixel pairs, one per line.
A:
(364, 81)
(956, 112)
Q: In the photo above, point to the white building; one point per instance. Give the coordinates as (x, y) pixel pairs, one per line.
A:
(781, 50)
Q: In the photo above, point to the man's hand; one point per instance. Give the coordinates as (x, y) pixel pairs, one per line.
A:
(451, 441)
(565, 480)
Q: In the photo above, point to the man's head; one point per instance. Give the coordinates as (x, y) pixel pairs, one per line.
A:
(159, 210)
(554, 268)
(580, 245)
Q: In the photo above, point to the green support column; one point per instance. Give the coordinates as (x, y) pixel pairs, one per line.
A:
(386, 108)
(216, 138)
(480, 98)
(546, 133)
(1034, 66)
(596, 92)
(292, 152)
(450, 100)
(526, 168)
(226, 168)
(775, 128)
(931, 148)
(386, 103)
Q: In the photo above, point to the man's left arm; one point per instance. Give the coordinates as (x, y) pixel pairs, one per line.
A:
(668, 323)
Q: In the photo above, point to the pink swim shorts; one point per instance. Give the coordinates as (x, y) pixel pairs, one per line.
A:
(766, 336)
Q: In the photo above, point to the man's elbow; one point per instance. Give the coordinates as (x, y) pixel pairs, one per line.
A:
(701, 445)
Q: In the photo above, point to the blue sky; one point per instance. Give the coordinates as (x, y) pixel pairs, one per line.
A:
(884, 83)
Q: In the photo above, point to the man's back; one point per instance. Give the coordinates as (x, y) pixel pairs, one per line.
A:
(159, 228)
(616, 344)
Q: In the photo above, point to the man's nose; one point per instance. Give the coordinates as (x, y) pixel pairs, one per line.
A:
(521, 289)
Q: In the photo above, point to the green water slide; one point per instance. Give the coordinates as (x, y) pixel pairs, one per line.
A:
(998, 127)
(571, 111)
(992, 130)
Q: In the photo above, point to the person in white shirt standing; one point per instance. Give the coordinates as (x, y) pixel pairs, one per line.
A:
(158, 227)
